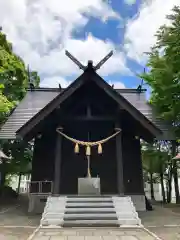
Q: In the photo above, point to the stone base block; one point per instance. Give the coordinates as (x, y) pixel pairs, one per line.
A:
(139, 202)
(89, 186)
(37, 203)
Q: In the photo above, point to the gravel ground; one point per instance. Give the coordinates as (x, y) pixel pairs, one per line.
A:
(15, 233)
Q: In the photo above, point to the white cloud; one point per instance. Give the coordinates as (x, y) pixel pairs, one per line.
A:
(117, 84)
(41, 30)
(89, 49)
(140, 31)
(54, 82)
(130, 2)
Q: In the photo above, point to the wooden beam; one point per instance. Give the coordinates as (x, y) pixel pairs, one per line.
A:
(57, 165)
(89, 118)
(89, 114)
(119, 158)
(141, 185)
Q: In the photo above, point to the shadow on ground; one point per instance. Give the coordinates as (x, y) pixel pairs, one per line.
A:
(17, 214)
(162, 221)
(159, 217)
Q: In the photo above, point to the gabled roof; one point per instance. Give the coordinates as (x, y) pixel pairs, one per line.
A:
(42, 101)
(88, 75)
(139, 101)
(32, 103)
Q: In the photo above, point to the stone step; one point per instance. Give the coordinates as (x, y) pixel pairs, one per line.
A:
(128, 221)
(52, 215)
(52, 222)
(120, 215)
(90, 216)
(91, 223)
(56, 200)
(89, 199)
(101, 216)
(89, 196)
(90, 210)
(68, 217)
(79, 204)
(80, 215)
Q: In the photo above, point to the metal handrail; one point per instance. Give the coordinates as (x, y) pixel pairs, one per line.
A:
(40, 187)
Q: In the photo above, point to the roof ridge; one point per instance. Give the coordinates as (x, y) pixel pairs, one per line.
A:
(45, 89)
(130, 90)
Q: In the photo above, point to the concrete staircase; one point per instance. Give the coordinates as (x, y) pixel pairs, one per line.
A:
(89, 211)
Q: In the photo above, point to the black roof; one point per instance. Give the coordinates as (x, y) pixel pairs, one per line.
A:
(36, 100)
(89, 76)
(32, 103)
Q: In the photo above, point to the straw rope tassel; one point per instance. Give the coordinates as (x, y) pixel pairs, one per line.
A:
(100, 148)
(76, 149)
(88, 145)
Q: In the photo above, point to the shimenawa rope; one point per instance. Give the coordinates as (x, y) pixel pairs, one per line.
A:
(88, 144)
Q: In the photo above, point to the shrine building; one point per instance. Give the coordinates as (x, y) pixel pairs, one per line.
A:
(87, 130)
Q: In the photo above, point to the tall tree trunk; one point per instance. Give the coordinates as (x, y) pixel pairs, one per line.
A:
(19, 183)
(167, 191)
(176, 184)
(3, 173)
(162, 187)
(169, 184)
(175, 174)
(152, 186)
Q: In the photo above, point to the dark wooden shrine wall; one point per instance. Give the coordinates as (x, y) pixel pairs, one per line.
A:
(75, 165)
(133, 176)
(92, 95)
(43, 158)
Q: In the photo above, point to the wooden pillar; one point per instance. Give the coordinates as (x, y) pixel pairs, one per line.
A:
(119, 158)
(57, 165)
(138, 149)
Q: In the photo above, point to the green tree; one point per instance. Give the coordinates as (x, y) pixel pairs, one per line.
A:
(20, 162)
(5, 105)
(149, 167)
(14, 76)
(155, 163)
(14, 81)
(33, 77)
(163, 78)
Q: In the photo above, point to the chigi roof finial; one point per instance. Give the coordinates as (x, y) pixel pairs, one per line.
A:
(90, 62)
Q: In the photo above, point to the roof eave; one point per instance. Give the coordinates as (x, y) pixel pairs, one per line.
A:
(128, 106)
(55, 102)
(72, 88)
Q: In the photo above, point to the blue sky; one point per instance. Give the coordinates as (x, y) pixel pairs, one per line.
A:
(41, 31)
(114, 30)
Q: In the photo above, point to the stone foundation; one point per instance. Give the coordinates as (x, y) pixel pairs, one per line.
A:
(37, 203)
(89, 186)
(139, 202)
